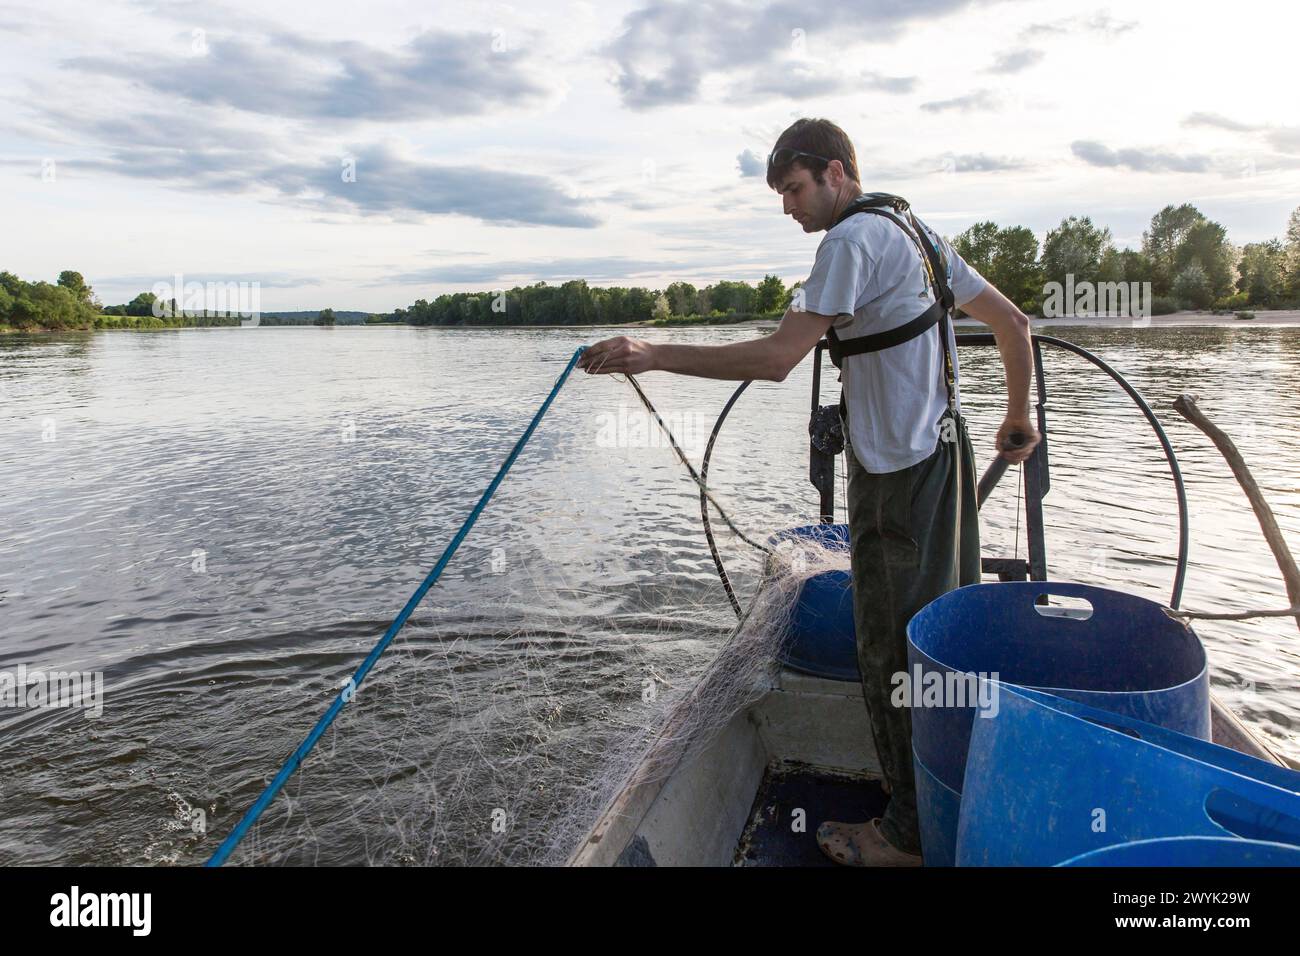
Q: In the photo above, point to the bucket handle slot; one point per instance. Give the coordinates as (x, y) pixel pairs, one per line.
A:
(1069, 607)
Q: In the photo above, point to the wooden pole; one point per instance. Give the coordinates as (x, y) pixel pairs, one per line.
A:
(1186, 406)
(1218, 616)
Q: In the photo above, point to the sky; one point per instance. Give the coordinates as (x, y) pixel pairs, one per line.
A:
(363, 155)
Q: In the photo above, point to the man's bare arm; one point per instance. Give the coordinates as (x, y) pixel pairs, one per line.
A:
(770, 358)
(1011, 329)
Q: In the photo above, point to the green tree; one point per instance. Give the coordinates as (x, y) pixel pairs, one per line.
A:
(706, 301)
(732, 296)
(142, 304)
(325, 317)
(681, 298)
(576, 302)
(1293, 255)
(54, 306)
(978, 245)
(1207, 243)
(1137, 267)
(1192, 287)
(75, 283)
(661, 308)
(770, 294)
(1112, 266)
(1262, 272)
(1014, 269)
(1075, 247)
(1161, 242)
(638, 304)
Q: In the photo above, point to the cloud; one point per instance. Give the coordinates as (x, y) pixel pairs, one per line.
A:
(1285, 139)
(971, 102)
(750, 164)
(666, 49)
(982, 163)
(388, 182)
(924, 167)
(799, 81)
(1100, 22)
(803, 81)
(436, 74)
(1217, 121)
(548, 270)
(888, 84)
(1013, 61)
(1145, 160)
(179, 150)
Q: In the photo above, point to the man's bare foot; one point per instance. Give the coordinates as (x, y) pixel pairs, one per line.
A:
(862, 844)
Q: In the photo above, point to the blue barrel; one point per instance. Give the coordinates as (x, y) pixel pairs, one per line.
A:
(1125, 656)
(1191, 851)
(1049, 779)
(820, 637)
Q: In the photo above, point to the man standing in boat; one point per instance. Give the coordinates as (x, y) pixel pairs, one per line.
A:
(881, 290)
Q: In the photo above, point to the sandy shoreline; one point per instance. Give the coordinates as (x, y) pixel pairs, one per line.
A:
(1280, 317)
(1274, 318)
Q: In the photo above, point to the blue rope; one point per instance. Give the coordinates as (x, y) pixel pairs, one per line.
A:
(349, 691)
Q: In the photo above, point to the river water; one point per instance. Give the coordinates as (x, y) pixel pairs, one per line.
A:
(223, 521)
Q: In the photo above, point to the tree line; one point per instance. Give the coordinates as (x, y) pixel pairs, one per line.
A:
(1186, 257)
(577, 303)
(70, 303)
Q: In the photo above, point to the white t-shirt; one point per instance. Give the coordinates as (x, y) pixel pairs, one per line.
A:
(871, 274)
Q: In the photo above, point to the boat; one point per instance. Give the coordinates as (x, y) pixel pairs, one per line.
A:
(753, 791)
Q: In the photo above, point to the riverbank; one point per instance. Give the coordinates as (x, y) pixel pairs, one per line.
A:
(1275, 318)
(1278, 317)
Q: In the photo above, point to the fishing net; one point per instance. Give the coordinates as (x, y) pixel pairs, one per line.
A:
(565, 654)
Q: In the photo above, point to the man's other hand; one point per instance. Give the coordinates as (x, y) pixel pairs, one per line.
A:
(619, 354)
(1011, 425)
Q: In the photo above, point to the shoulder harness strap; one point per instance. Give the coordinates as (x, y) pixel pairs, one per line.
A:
(892, 207)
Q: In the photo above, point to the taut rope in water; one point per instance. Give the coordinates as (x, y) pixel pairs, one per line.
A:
(349, 690)
(345, 695)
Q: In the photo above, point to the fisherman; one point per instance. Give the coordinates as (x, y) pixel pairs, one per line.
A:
(913, 522)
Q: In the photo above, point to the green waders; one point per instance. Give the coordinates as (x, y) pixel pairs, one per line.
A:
(915, 536)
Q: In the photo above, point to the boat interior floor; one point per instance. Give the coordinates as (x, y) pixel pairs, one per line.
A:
(792, 801)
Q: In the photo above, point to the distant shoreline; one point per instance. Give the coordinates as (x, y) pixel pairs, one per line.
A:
(1273, 319)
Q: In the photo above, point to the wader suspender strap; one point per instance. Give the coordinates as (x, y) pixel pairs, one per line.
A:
(936, 314)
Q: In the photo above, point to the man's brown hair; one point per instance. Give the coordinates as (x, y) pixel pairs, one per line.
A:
(820, 137)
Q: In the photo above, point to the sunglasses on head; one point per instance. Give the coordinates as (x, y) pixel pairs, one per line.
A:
(787, 155)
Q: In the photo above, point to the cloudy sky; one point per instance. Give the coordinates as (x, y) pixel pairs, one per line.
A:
(363, 155)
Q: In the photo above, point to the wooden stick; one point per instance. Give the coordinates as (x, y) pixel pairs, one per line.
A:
(1229, 616)
(1186, 406)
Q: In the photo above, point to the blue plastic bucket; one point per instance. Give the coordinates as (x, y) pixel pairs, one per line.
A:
(1126, 656)
(1191, 851)
(1049, 779)
(938, 811)
(821, 638)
